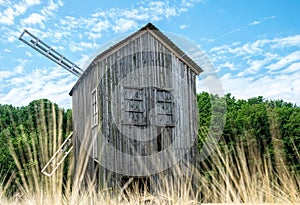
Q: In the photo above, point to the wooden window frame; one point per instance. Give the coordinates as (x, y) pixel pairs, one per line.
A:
(125, 110)
(94, 108)
(171, 102)
(149, 100)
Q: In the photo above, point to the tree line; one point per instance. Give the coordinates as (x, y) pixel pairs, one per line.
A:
(269, 128)
(29, 136)
(271, 125)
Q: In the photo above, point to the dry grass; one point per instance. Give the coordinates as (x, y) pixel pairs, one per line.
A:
(226, 184)
(242, 177)
(249, 179)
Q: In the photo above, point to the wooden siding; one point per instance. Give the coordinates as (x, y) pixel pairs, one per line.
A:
(141, 62)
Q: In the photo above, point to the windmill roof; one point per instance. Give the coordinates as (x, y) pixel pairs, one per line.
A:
(162, 37)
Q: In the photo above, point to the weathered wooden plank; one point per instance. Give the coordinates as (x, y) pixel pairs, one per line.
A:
(153, 65)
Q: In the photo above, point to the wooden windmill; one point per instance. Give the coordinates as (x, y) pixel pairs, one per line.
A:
(134, 105)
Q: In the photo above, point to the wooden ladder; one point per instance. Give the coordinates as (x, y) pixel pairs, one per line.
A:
(58, 157)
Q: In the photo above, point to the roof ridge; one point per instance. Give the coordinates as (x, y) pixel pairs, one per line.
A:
(160, 36)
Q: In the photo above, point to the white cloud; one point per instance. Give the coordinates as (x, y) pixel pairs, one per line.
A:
(87, 45)
(277, 87)
(7, 17)
(123, 25)
(94, 36)
(19, 69)
(78, 34)
(124, 20)
(170, 12)
(286, 42)
(12, 11)
(267, 67)
(44, 15)
(186, 4)
(246, 49)
(84, 61)
(33, 19)
(160, 9)
(256, 65)
(183, 26)
(74, 46)
(53, 84)
(210, 83)
(137, 14)
(51, 7)
(100, 26)
(228, 65)
(261, 54)
(32, 2)
(253, 23)
(285, 61)
(294, 67)
(6, 74)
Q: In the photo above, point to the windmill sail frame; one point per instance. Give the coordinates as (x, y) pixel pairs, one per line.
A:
(40, 46)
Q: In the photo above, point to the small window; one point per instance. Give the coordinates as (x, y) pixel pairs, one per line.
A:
(137, 103)
(164, 106)
(94, 108)
(134, 106)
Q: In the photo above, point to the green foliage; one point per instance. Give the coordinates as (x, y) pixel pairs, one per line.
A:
(24, 132)
(273, 126)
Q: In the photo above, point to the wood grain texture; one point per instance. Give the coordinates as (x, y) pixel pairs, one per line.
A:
(144, 91)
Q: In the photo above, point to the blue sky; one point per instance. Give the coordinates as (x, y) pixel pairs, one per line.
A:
(253, 45)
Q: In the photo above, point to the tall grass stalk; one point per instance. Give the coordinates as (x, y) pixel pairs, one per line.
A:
(233, 174)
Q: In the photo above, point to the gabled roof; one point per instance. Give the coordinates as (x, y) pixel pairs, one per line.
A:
(159, 36)
(177, 51)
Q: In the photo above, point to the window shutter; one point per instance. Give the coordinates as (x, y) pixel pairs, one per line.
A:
(134, 106)
(164, 106)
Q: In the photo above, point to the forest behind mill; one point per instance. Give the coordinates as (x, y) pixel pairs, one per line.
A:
(267, 131)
